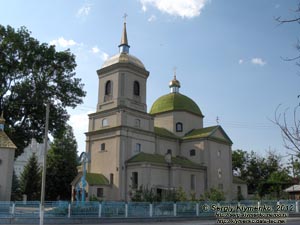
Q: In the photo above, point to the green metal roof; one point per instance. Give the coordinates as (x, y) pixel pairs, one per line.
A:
(164, 132)
(175, 102)
(207, 133)
(200, 133)
(96, 179)
(160, 159)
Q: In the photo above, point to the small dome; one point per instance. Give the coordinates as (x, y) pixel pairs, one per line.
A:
(175, 102)
(174, 83)
(123, 58)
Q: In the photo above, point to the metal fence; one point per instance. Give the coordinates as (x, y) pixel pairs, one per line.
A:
(64, 209)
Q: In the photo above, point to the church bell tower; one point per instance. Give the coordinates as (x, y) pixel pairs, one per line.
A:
(122, 80)
(120, 127)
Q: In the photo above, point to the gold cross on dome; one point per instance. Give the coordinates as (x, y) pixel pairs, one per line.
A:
(174, 69)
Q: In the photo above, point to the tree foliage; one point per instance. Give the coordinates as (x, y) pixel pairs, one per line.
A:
(213, 194)
(30, 180)
(263, 175)
(144, 194)
(15, 189)
(32, 73)
(62, 165)
(238, 161)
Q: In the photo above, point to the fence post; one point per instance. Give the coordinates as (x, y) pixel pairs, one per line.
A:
(100, 210)
(126, 210)
(197, 209)
(175, 209)
(13, 209)
(297, 206)
(151, 210)
(69, 210)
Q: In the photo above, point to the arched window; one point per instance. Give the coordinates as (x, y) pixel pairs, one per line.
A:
(193, 182)
(219, 173)
(105, 122)
(134, 180)
(192, 152)
(137, 147)
(137, 123)
(102, 147)
(108, 88)
(136, 88)
(169, 151)
(179, 127)
(111, 178)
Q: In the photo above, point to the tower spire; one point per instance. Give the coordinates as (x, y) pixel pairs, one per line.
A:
(124, 47)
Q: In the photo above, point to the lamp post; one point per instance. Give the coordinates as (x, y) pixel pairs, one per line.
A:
(168, 159)
(44, 166)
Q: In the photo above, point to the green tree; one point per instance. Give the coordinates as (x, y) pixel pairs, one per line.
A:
(180, 195)
(276, 182)
(260, 173)
(239, 158)
(15, 188)
(31, 73)
(213, 194)
(62, 162)
(294, 167)
(30, 180)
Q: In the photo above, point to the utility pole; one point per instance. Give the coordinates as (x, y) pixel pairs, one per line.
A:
(44, 166)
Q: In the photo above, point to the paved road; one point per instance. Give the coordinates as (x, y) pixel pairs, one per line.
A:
(291, 221)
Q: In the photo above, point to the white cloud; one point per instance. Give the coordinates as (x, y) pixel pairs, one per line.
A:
(95, 49)
(144, 8)
(103, 55)
(258, 61)
(152, 18)
(62, 42)
(241, 61)
(84, 10)
(79, 123)
(182, 8)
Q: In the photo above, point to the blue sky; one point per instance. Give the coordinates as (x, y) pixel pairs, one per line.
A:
(228, 54)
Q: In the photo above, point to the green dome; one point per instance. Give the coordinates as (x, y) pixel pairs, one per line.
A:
(175, 102)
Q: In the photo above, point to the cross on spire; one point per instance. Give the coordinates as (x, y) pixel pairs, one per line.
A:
(124, 17)
(174, 68)
(124, 47)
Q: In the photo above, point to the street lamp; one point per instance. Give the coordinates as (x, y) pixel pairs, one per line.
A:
(168, 159)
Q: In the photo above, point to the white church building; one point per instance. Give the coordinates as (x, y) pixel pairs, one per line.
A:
(163, 149)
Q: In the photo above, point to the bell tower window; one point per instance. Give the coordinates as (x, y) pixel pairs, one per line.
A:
(108, 91)
(104, 122)
(136, 88)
